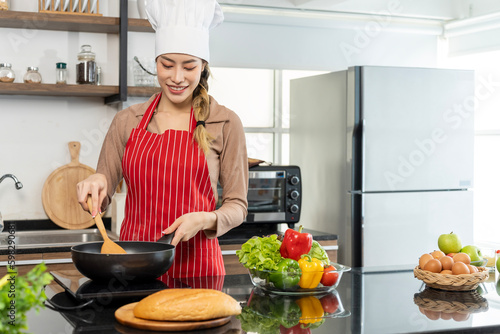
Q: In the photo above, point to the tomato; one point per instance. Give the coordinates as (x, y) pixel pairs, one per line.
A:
(297, 329)
(330, 303)
(329, 278)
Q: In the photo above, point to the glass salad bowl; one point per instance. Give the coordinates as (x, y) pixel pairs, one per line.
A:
(284, 283)
(479, 263)
(270, 313)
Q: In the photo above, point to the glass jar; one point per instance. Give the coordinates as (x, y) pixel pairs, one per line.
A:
(86, 66)
(6, 73)
(61, 73)
(98, 77)
(4, 4)
(32, 75)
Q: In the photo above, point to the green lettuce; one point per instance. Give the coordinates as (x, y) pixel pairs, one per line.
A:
(261, 253)
(318, 252)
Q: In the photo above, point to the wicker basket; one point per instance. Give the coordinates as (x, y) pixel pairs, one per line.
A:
(464, 282)
(450, 302)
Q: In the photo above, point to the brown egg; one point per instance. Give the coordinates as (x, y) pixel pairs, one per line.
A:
(437, 254)
(462, 257)
(458, 316)
(446, 272)
(424, 259)
(433, 315)
(472, 269)
(460, 268)
(447, 262)
(434, 266)
(446, 316)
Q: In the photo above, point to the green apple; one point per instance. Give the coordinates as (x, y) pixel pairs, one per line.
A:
(473, 251)
(498, 264)
(449, 243)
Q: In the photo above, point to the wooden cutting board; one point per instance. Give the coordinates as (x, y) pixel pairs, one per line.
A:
(125, 316)
(59, 193)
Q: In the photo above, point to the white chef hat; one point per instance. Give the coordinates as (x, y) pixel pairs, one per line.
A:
(182, 25)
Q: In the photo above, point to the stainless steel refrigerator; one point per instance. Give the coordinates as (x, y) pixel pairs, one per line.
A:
(386, 157)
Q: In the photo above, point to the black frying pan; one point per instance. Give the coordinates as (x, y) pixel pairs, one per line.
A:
(144, 260)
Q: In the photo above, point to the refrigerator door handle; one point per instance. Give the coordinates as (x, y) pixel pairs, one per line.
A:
(363, 152)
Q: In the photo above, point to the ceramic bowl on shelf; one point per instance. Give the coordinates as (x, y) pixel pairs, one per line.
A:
(282, 283)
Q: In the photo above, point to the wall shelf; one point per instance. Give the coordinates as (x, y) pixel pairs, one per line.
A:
(139, 25)
(142, 91)
(64, 22)
(59, 22)
(79, 23)
(71, 90)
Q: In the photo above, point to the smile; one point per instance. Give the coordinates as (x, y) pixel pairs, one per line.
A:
(177, 88)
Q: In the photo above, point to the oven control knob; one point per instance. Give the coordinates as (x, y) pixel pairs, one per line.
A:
(294, 208)
(294, 194)
(294, 180)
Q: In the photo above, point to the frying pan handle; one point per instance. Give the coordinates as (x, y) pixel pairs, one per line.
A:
(56, 307)
(167, 238)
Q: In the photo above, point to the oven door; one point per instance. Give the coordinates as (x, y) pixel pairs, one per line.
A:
(274, 194)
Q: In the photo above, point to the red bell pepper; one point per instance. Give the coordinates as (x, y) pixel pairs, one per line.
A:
(329, 278)
(295, 244)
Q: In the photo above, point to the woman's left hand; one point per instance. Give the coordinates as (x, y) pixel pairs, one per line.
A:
(186, 226)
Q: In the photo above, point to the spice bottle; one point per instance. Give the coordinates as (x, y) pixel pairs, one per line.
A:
(61, 73)
(86, 66)
(6, 73)
(32, 75)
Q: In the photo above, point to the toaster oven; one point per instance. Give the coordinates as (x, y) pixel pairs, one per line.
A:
(274, 195)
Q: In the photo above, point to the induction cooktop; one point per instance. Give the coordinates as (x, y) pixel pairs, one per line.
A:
(83, 288)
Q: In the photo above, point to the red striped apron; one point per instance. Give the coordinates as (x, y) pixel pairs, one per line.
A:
(167, 176)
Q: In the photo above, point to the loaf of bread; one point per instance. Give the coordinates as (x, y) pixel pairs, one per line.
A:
(186, 305)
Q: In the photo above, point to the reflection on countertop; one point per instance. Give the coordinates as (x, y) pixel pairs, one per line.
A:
(366, 302)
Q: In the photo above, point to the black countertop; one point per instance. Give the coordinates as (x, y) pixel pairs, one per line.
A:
(385, 302)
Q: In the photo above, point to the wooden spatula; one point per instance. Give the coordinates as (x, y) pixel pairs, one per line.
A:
(109, 246)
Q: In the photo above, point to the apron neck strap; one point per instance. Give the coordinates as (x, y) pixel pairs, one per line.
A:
(143, 124)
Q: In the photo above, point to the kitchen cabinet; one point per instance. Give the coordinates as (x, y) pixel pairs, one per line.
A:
(79, 23)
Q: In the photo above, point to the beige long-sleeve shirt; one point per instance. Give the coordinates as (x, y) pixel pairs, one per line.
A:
(227, 159)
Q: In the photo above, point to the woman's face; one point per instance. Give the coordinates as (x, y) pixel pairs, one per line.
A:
(179, 75)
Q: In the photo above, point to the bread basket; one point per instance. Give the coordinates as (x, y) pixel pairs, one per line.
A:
(463, 282)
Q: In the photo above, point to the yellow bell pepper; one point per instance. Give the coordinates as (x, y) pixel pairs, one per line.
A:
(311, 309)
(312, 271)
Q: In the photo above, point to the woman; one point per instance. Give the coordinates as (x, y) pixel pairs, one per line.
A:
(173, 149)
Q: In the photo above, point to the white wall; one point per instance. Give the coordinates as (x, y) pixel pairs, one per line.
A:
(34, 131)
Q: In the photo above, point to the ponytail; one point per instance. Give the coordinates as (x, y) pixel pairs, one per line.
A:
(201, 110)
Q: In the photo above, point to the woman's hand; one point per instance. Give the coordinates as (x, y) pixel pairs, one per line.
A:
(186, 226)
(96, 186)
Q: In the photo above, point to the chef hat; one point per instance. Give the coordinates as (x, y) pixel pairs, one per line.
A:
(182, 25)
